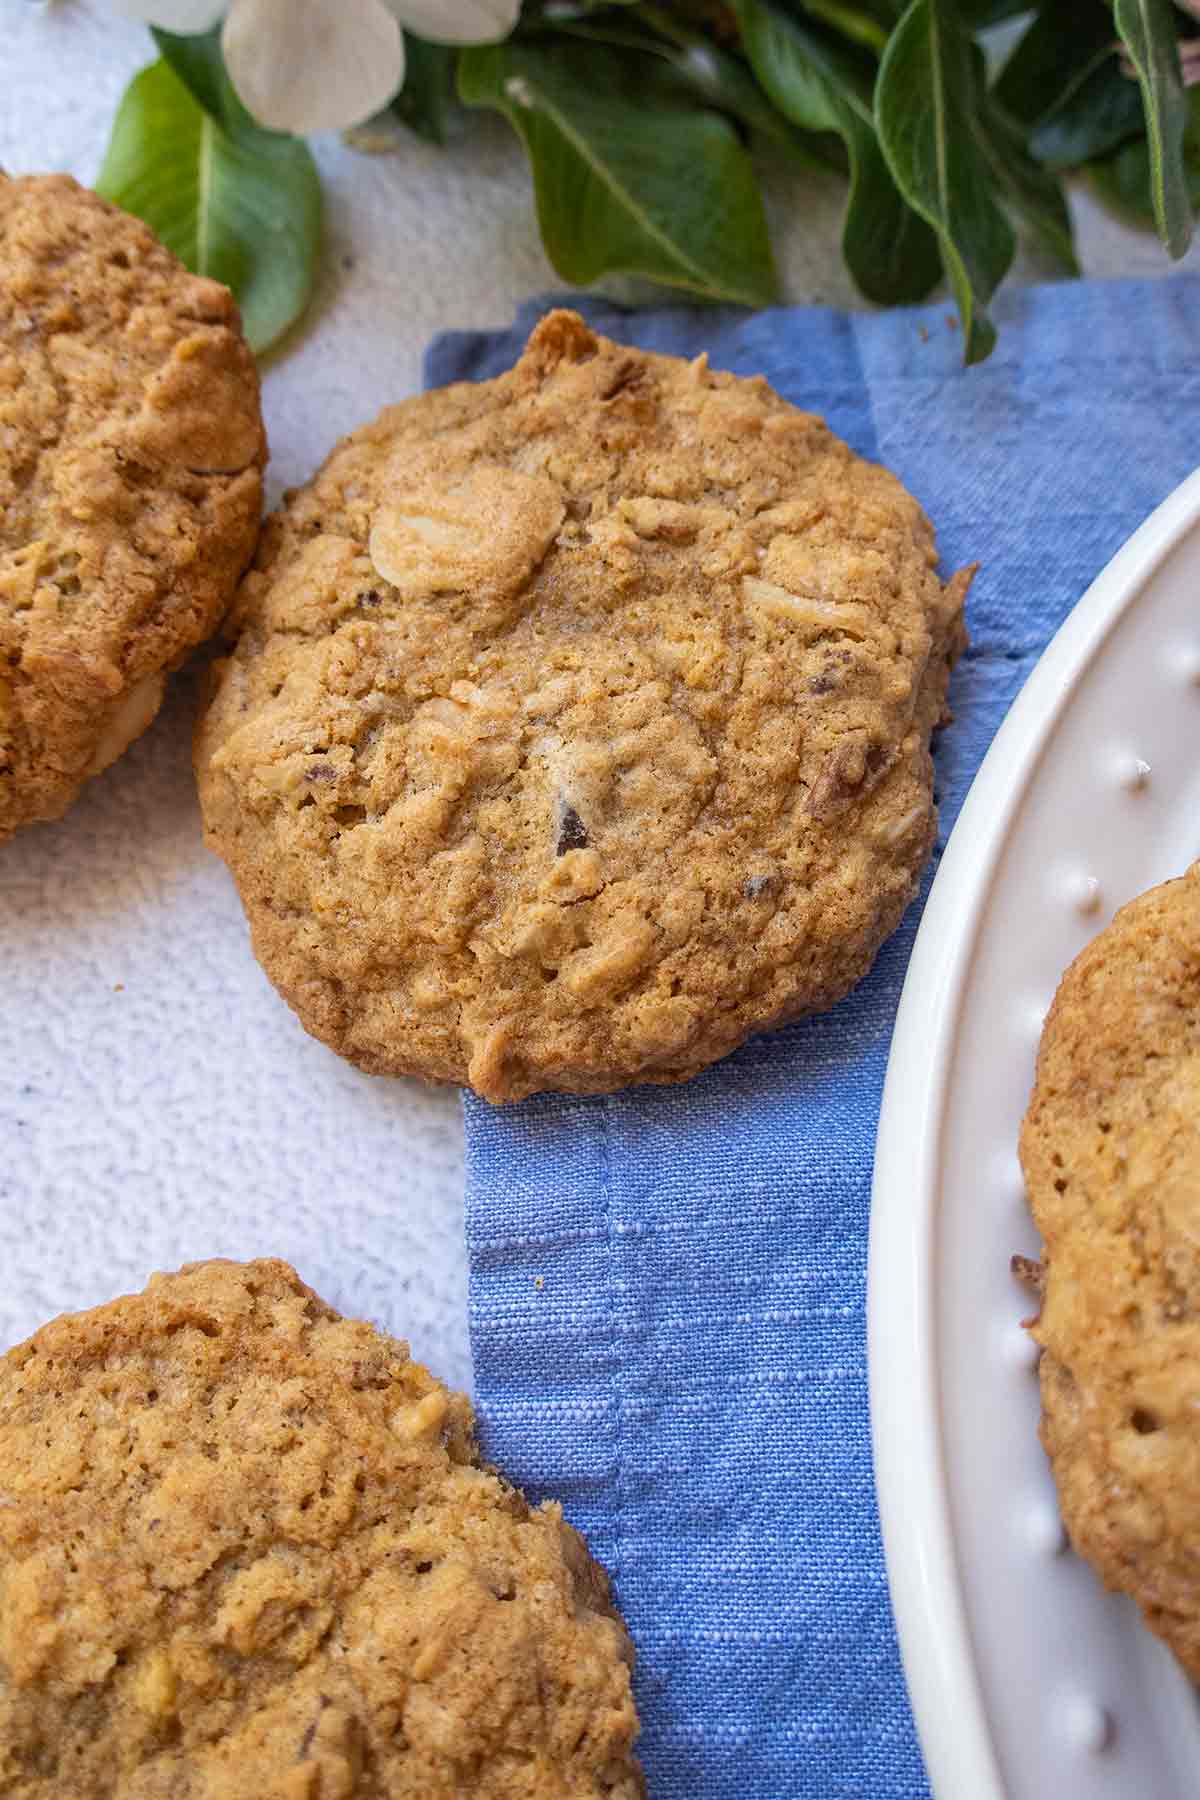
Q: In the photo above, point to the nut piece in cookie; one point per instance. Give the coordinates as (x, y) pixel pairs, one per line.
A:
(578, 723)
(247, 1547)
(1110, 1147)
(131, 456)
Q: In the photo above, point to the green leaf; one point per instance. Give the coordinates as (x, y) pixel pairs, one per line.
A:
(1059, 47)
(713, 75)
(978, 15)
(699, 68)
(1063, 79)
(1098, 111)
(1034, 193)
(200, 66)
(1123, 180)
(852, 21)
(1148, 29)
(630, 177)
(241, 205)
(865, 22)
(427, 97)
(891, 253)
(926, 101)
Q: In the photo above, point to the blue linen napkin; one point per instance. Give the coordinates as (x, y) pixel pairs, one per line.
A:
(668, 1285)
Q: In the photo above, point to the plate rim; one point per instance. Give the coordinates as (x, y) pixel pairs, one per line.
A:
(910, 1475)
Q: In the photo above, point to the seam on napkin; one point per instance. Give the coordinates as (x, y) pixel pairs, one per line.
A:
(980, 653)
(614, 1384)
(704, 1247)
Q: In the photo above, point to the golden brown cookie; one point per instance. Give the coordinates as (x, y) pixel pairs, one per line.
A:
(247, 1548)
(1111, 1153)
(131, 456)
(579, 723)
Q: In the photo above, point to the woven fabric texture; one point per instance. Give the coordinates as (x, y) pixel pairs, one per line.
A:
(668, 1286)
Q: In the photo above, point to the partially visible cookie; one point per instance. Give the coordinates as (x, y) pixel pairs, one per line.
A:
(248, 1548)
(131, 456)
(579, 723)
(1111, 1152)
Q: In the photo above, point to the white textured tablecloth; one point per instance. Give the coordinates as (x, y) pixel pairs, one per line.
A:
(157, 1101)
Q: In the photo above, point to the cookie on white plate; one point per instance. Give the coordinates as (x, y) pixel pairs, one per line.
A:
(1111, 1152)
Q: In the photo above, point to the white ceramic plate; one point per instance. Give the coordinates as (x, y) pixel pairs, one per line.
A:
(1026, 1678)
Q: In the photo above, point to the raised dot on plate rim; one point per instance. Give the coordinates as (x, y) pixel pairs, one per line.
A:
(1135, 774)
(1044, 1530)
(1086, 1724)
(1008, 1173)
(1019, 1350)
(1086, 895)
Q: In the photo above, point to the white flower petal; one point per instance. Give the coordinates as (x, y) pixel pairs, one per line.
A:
(183, 16)
(313, 65)
(457, 21)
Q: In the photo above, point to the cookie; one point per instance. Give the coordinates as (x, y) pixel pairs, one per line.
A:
(247, 1547)
(131, 456)
(1111, 1152)
(578, 725)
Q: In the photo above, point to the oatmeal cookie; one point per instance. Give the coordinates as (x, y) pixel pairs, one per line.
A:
(1111, 1153)
(578, 725)
(247, 1547)
(131, 452)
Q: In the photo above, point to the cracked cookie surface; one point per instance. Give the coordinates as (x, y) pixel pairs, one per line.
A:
(1110, 1148)
(247, 1547)
(131, 456)
(578, 725)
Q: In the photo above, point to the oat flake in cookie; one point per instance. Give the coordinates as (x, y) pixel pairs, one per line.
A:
(131, 452)
(579, 723)
(1111, 1152)
(247, 1548)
